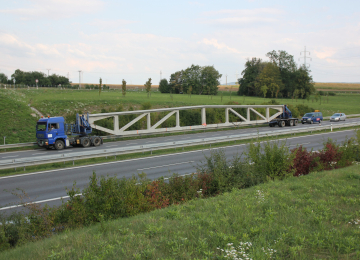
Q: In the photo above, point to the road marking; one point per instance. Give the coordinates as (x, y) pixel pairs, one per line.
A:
(10, 156)
(164, 165)
(111, 145)
(36, 202)
(151, 142)
(153, 157)
(61, 151)
(131, 143)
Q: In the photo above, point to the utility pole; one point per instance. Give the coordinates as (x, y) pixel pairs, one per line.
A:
(305, 57)
(237, 74)
(48, 71)
(80, 79)
(160, 75)
(226, 79)
(68, 76)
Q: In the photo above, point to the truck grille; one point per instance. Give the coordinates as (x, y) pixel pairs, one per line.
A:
(40, 135)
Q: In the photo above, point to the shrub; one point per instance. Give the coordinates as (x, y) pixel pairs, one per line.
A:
(332, 94)
(302, 161)
(272, 159)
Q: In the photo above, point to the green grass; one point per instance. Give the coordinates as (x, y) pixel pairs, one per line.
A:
(308, 217)
(16, 122)
(18, 125)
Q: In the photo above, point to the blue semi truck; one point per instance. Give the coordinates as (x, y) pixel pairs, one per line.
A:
(284, 119)
(52, 132)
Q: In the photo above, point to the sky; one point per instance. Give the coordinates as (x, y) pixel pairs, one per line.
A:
(136, 40)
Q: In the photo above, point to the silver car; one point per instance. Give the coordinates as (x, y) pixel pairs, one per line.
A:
(338, 117)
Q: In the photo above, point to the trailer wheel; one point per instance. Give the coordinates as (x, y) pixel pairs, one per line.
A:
(59, 145)
(86, 142)
(97, 141)
(295, 122)
(291, 122)
(271, 125)
(282, 123)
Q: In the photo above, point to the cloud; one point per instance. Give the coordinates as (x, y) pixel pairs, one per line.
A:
(110, 24)
(55, 9)
(220, 46)
(242, 16)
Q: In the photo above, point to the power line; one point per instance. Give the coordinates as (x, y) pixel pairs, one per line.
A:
(305, 57)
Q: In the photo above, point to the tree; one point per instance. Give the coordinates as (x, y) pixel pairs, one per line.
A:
(164, 86)
(252, 70)
(123, 87)
(175, 85)
(269, 77)
(192, 77)
(148, 86)
(3, 78)
(264, 90)
(210, 77)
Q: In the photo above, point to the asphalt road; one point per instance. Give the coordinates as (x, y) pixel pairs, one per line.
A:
(49, 186)
(157, 140)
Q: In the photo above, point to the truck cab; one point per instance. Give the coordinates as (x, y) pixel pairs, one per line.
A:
(50, 132)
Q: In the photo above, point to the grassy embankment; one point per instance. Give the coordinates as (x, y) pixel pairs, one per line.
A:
(56, 102)
(310, 217)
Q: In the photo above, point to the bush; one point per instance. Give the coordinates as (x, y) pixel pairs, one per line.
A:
(332, 94)
(272, 159)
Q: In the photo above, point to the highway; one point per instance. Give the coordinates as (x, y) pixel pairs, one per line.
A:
(139, 142)
(50, 186)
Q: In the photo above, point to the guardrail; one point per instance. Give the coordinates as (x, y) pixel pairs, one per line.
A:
(109, 137)
(25, 162)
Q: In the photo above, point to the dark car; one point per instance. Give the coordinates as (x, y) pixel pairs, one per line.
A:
(313, 117)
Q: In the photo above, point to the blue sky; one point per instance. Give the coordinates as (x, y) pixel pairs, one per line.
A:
(135, 40)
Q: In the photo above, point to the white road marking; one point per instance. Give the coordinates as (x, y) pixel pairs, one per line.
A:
(147, 158)
(164, 165)
(131, 143)
(37, 202)
(10, 156)
(61, 151)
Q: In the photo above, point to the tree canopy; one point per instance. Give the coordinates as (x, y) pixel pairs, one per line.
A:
(28, 78)
(195, 80)
(280, 76)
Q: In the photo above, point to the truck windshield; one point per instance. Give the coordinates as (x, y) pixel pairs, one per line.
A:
(308, 115)
(41, 126)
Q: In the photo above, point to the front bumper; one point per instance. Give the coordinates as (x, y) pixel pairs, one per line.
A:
(334, 119)
(43, 142)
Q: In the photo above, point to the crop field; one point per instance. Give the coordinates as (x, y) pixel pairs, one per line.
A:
(18, 124)
(347, 87)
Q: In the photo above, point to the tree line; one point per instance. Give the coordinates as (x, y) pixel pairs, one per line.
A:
(279, 77)
(28, 78)
(193, 80)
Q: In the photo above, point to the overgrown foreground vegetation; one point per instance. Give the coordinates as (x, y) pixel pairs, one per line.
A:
(207, 215)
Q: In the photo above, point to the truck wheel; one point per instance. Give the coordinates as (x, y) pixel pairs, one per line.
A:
(311, 122)
(59, 145)
(97, 141)
(291, 122)
(86, 142)
(295, 122)
(282, 123)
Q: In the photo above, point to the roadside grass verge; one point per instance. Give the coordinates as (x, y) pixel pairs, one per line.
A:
(309, 217)
(121, 157)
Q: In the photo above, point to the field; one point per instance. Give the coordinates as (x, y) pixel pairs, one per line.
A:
(310, 217)
(345, 87)
(18, 124)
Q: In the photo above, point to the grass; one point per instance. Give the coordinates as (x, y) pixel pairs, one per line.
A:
(18, 124)
(310, 217)
(16, 121)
